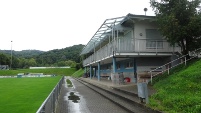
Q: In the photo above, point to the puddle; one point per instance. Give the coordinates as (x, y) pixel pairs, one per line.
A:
(73, 97)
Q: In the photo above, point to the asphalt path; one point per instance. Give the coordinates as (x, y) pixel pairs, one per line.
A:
(81, 99)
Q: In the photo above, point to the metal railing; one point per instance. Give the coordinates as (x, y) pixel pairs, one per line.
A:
(49, 105)
(131, 46)
(181, 60)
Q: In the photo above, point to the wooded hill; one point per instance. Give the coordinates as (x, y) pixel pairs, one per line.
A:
(68, 56)
(23, 53)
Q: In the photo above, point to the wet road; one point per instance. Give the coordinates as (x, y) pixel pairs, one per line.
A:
(81, 99)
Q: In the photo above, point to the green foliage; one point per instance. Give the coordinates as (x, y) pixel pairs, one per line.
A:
(79, 65)
(4, 59)
(23, 53)
(78, 73)
(179, 92)
(179, 22)
(60, 55)
(69, 83)
(56, 71)
(25, 95)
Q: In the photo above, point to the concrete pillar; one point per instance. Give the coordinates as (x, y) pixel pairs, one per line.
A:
(114, 64)
(98, 71)
(90, 72)
(135, 70)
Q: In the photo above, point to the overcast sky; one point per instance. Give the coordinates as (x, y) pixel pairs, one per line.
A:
(55, 24)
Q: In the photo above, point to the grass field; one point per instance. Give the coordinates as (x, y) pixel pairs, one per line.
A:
(57, 71)
(179, 92)
(24, 95)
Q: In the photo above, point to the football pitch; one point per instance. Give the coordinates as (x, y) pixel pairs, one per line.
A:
(25, 95)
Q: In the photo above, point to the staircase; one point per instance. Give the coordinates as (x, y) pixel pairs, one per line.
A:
(181, 60)
(125, 99)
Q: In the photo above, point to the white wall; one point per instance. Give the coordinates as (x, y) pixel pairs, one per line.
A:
(141, 26)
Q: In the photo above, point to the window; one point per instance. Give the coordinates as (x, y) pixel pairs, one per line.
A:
(129, 64)
(154, 39)
(108, 67)
(118, 66)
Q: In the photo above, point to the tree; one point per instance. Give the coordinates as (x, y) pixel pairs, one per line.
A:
(180, 22)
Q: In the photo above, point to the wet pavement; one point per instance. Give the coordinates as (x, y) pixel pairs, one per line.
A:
(81, 99)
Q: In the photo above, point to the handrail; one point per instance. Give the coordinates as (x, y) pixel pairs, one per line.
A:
(167, 64)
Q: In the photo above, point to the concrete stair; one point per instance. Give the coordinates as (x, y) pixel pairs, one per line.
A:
(125, 99)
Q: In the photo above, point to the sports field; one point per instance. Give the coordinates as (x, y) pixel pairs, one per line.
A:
(25, 95)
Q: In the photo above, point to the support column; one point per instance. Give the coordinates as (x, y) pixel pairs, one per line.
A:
(135, 70)
(95, 72)
(114, 64)
(98, 71)
(90, 72)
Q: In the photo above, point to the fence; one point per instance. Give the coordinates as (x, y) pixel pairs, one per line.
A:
(49, 105)
(176, 62)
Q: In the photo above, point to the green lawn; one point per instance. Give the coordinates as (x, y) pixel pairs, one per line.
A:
(57, 71)
(179, 92)
(25, 95)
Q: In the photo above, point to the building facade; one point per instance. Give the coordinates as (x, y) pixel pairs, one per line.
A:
(130, 46)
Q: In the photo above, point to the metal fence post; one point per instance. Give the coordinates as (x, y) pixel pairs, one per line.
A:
(185, 61)
(168, 69)
(151, 77)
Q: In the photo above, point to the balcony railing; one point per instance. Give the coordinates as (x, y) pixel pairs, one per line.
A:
(131, 46)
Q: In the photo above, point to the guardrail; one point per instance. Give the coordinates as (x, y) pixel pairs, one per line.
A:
(49, 105)
(126, 45)
(180, 60)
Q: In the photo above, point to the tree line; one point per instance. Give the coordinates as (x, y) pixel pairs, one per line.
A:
(69, 56)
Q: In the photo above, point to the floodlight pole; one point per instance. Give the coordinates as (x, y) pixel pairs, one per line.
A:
(11, 54)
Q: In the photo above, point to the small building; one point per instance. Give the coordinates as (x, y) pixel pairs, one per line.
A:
(130, 46)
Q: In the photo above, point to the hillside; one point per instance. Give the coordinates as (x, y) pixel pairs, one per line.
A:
(69, 53)
(180, 91)
(23, 53)
(68, 56)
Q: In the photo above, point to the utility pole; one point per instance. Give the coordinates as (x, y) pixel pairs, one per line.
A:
(11, 55)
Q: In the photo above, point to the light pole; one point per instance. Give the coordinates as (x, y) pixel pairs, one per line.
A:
(11, 54)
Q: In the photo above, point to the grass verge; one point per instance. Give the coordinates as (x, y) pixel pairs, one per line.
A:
(25, 95)
(69, 83)
(78, 73)
(179, 92)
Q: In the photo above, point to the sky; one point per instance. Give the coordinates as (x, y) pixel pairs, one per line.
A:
(55, 24)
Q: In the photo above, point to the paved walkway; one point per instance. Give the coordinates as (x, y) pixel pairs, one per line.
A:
(87, 101)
